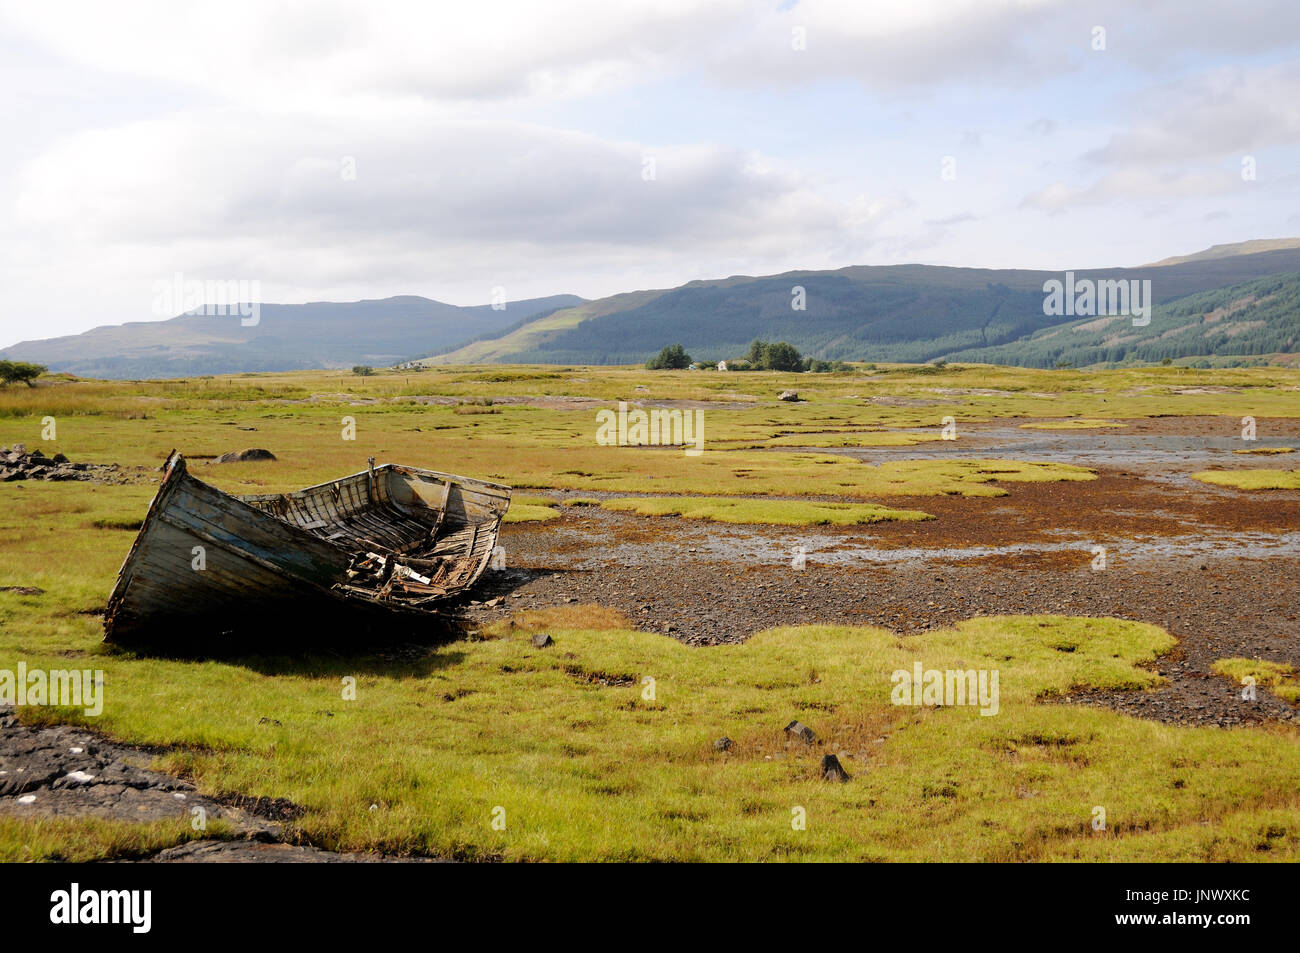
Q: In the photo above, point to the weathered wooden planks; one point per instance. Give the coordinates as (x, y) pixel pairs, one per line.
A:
(204, 558)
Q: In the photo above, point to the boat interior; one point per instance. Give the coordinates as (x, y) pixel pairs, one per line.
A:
(415, 536)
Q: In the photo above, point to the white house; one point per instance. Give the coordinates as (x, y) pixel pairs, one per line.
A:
(722, 365)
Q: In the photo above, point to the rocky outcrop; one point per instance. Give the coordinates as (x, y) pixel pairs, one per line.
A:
(19, 463)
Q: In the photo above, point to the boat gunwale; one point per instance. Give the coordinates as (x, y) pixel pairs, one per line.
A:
(470, 482)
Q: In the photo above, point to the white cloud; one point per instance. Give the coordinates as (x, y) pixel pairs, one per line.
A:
(223, 158)
(330, 56)
(443, 207)
(1222, 112)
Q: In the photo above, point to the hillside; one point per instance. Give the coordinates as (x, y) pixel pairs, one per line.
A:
(1235, 248)
(286, 337)
(879, 313)
(1248, 320)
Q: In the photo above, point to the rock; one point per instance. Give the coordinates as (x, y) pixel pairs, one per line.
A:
(541, 640)
(493, 603)
(59, 458)
(832, 770)
(722, 744)
(788, 395)
(251, 455)
(801, 731)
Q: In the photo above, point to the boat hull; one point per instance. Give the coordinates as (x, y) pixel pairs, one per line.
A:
(206, 562)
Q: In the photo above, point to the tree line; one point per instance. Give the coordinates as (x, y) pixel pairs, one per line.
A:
(762, 356)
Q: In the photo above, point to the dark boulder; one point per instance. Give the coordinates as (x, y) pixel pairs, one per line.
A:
(251, 455)
(801, 732)
(832, 770)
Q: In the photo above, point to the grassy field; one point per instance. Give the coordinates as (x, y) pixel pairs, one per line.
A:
(601, 746)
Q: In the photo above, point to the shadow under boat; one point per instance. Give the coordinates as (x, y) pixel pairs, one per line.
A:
(365, 560)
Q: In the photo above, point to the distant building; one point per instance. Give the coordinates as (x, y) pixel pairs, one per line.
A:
(722, 365)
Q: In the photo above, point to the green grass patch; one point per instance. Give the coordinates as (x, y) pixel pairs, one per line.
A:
(1277, 677)
(79, 840)
(779, 512)
(878, 438)
(1251, 479)
(531, 509)
(1077, 423)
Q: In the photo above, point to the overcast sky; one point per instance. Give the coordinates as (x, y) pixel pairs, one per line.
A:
(337, 151)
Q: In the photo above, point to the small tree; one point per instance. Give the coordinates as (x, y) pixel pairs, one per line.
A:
(363, 370)
(11, 372)
(671, 358)
(782, 357)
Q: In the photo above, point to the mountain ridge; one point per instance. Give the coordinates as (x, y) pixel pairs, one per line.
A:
(314, 335)
(910, 313)
(907, 313)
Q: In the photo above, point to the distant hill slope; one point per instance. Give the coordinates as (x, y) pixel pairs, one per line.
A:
(287, 337)
(1251, 319)
(1236, 248)
(885, 313)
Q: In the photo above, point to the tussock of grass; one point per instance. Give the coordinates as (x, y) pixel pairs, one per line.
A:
(531, 509)
(779, 512)
(1277, 677)
(1251, 479)
(523, 513)
(526, 500)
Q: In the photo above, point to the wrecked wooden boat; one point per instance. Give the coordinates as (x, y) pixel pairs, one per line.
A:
(391, 543)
